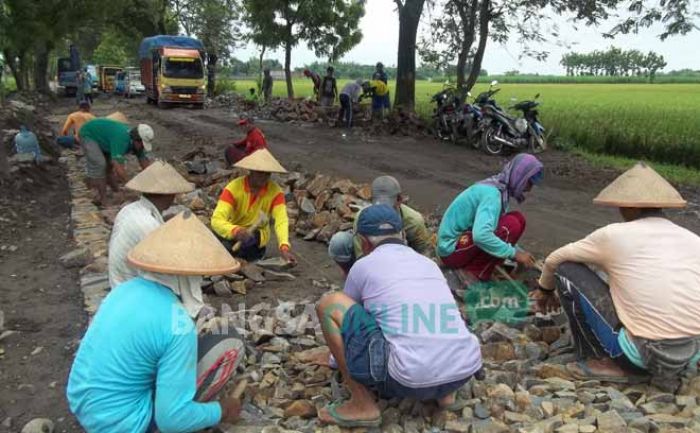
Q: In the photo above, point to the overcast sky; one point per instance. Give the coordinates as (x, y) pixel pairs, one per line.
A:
(380, 27)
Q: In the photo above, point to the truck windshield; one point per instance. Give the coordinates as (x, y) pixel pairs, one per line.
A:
(183, 67)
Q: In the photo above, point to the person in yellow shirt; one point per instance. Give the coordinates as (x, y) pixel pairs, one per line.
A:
(378, 90)
(247, 199)
(69, 134)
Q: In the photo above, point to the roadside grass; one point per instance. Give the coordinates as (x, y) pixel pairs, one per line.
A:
(655, 122)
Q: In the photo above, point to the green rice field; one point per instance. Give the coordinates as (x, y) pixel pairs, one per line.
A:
(657, 122)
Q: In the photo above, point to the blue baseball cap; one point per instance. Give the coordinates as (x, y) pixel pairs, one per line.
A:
(379, 220)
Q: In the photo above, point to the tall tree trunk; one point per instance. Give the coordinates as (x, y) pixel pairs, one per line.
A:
(484, 19)
(467, 15)
(41, 68)
(409, 19)
(260, 70)
(288, 63)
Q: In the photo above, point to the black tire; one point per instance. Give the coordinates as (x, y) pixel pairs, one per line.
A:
(537, 146)
(490, 146)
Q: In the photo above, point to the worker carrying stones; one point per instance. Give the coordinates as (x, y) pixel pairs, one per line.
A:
(379, 90)
(478, 232)
(158, 184)
(345, 248)
(141, 367)
(395, 329)
(249, 205)
(316, 80)
(107, 142)
(70, 136)
(254, 140)
(630, 289)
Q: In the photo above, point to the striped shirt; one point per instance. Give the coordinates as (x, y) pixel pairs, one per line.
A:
(133, 223)
(238, 208)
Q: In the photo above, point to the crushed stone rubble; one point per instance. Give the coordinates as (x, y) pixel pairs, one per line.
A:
(527, 388)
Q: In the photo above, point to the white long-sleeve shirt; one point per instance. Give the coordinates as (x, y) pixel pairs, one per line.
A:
(653, 266)
(132, 224)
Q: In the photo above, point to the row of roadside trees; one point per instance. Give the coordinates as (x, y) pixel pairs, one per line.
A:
(31, 32)
(613, 62)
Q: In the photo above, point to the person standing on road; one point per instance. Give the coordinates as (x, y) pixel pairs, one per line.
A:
(329, 88)
(106, 143)
(316, 79)
(372, 330)
(87, 86)
(247, 199)
(158, 184)
(378, 90)
(254, 140)
(141, 366)
(345, 248)
(477, 233)
(79, 89)
(385, 101)
(349, 97)
(71, 128)
(267, 85)
(630, 290)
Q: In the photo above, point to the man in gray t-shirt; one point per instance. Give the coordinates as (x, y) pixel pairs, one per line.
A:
(396, 329)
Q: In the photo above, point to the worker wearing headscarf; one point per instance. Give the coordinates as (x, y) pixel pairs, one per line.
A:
(477, 232)
(247, 206)
(141, 366)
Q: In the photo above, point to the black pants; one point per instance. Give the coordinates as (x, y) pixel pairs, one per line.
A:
(249, 252)
(345, 113)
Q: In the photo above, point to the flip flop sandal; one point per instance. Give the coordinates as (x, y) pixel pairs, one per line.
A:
(350, 423)
(589, 375)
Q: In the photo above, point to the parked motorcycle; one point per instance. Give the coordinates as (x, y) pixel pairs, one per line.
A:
(469, 126)
(446, 116)
(503, 133)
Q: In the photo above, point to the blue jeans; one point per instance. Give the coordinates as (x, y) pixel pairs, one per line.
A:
(367, 355)
(345, 110)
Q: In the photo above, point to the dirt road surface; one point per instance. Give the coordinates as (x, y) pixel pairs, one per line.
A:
(41, 299)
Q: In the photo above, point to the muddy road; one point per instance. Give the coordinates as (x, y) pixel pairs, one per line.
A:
(431, 173)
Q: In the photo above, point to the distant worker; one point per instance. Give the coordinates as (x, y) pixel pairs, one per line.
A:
(70, 134)
(329, 88)
(380, 75)
(316, 79)
(249, 205)
(267, 84)
(79, 89)
(87, 86)
(106, 143)
(379, 92)
(349, 97)
(477, 232)
(345, 248)
(254, 140)
(251, 99)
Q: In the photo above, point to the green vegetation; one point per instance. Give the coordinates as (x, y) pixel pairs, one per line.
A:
(644, 121)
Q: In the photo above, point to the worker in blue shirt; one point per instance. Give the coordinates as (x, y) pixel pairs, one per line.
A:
(137, 368)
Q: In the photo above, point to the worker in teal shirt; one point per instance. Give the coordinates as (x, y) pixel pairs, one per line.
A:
(477, 233)
(136, 368)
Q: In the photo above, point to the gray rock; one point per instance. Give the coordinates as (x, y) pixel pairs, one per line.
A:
(669, 420)
(500, 332)
(659, 407)
(489, 426)
(642, 424)
(586, 428)
(548, 425)
(610, 421)
(661, 398)
(622, 404)
(481, 411)
(467, 413)
(392, 428)
(38, 425)
(514, 417)
(586, 397)
(7, 423)
(277, 264)
(278, 276)
(568, 428)
(77, 258)
(686, 401)
(222, 288)
(458, 426)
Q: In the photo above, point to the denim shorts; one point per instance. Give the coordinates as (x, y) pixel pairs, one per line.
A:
(367, 356)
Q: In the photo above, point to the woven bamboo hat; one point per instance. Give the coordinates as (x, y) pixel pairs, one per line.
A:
(118, 116)
(182, 246)
(160, 178)
(640, 186)
(261, 160)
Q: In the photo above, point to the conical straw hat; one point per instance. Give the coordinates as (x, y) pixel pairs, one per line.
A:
(160, 178)
(261, 160)
(118, 116)
(183, 246)
(640, 186)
